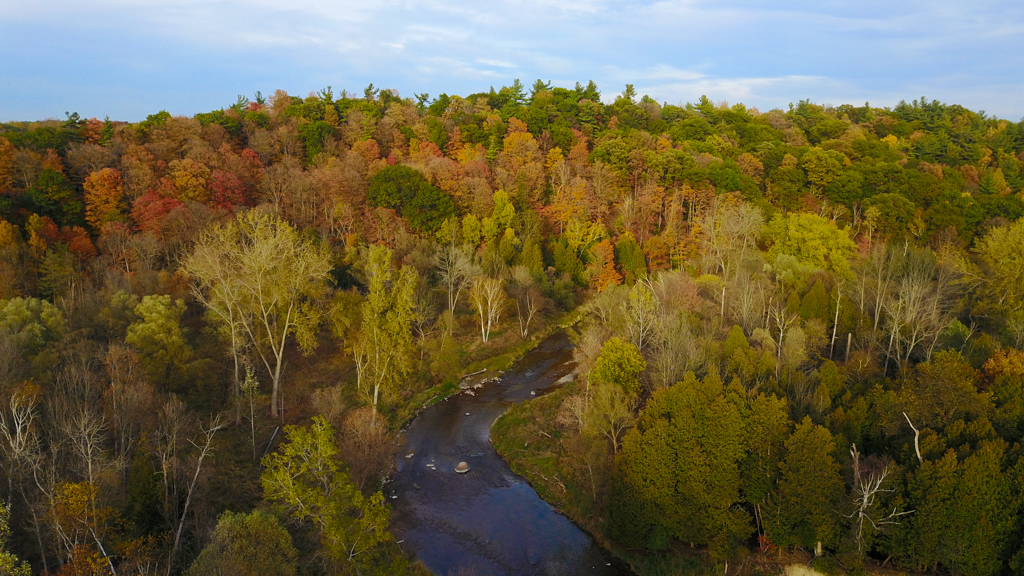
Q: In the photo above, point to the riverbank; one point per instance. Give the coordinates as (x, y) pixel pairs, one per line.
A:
(482, 369)
(488, 521)
(571, 474)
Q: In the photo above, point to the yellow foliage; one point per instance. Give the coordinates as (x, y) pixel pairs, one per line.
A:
(555, 159)
(9, 235)
(189, 178)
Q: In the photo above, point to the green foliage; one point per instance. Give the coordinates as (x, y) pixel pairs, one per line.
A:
(531, 257)
(813, 241)
(159, 336)
(314, 134)
(10, 565)
(803, 508)
(1001, 252)
(822, 167)
(816, 303)
(630, 258)
(252, 544)
(963, 514)
(54, 195)
(766, 430)
(944, 390)
(32, 322)
(144, 495)
(678, 475)
(385, 347)
(894, 213)
(566, 260)
(307, 479)
(410, 194)
(619, 364)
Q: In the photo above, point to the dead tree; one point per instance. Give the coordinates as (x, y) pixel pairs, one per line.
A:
(867, 487)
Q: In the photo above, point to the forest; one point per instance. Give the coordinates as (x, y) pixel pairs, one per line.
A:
(798, 333)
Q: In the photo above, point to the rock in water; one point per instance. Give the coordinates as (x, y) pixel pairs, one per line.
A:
(462, 468)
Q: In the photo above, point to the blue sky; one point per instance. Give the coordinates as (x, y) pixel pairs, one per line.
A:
(130, 58)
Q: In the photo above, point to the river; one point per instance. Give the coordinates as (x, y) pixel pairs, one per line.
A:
(488, 521)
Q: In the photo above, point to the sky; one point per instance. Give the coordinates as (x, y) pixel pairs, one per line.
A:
(127, 59)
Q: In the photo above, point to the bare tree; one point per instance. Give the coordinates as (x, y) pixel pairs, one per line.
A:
(86, 430)
(919, 307)
(251, 390)
(868, 486)
(204, 450)
(457, 271)
(22, 456)
(730, 231)
(641, 312)
(527, 298)
(611, 413)
(782, 321)
(173, 422)
(488, 296)
(367, 445)
(127, 400)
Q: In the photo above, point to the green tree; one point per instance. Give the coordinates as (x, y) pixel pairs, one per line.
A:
(630, 258)
(816, 303)
(802, 510)
(766, 430)
(678, 474)
(158, 335)
(307, 479)
(1003, 257)
(32, 322)
(894, 214)
(53, 195)
(252, 544)
(812, 240)
(409, 193)
(619, 364)
(822, 167)
(943, 391)
(963, 515)
(215, 267)
(385, 346)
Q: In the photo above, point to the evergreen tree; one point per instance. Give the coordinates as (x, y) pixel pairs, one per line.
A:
(803, 509)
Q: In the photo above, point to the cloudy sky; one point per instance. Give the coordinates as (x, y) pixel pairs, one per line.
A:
(129, 58)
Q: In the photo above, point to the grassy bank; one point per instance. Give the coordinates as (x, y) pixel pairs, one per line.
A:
(483, 362)
(572, 474)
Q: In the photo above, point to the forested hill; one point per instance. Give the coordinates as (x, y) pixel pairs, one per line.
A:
(817, 311)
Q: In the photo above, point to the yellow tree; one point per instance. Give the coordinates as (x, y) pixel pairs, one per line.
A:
(104, 197)
(283, 278)
(214, 267)
(261, 273)
(190, 179)
(1002, 252)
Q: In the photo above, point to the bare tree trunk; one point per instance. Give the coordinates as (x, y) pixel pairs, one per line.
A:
(835, 324)
(203, 452)
(917, 439)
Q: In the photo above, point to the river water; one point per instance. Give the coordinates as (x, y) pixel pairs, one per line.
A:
(488, 521)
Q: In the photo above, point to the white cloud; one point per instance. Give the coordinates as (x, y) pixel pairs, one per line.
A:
(767, 53)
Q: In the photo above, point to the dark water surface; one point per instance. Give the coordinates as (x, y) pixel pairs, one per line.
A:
(489, 521)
